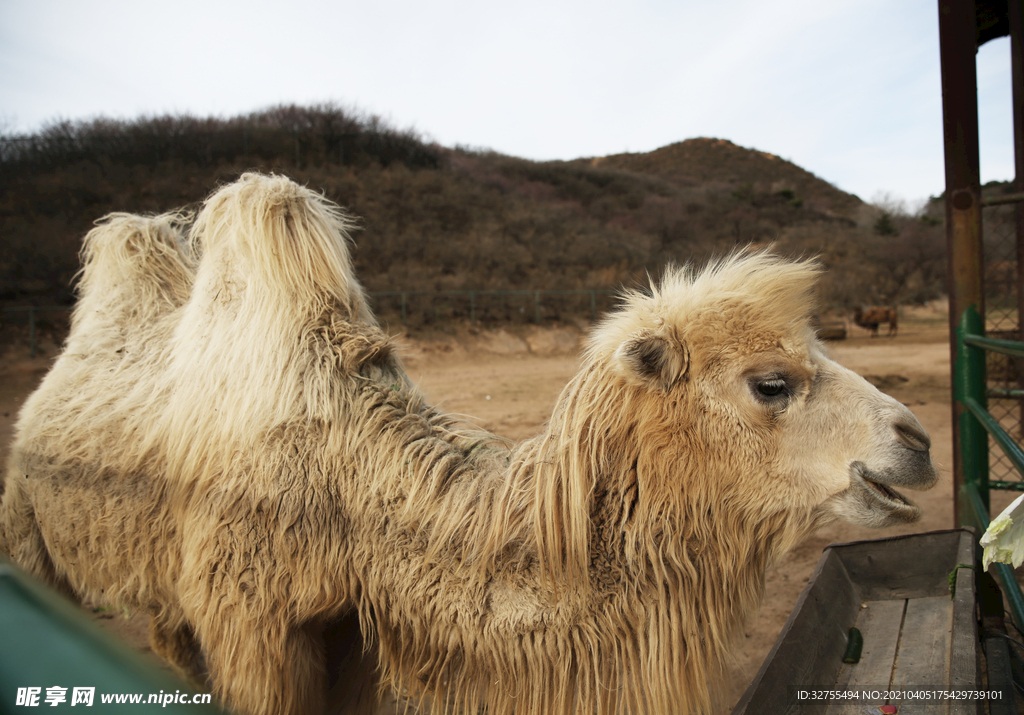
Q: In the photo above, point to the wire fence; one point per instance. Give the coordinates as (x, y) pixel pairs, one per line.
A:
(32, 319)
(413, 309)
(1004, 374)
(423, 308)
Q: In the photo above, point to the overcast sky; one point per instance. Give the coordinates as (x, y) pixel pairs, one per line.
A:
(848, 89)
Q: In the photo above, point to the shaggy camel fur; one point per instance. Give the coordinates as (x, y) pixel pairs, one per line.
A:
(233, 445)
(869, 318)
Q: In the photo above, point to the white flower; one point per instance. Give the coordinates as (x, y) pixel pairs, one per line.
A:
(1003, 541)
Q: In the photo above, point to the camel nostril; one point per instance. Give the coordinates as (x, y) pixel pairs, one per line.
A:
(913, 436)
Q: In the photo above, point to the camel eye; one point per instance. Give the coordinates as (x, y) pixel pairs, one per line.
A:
(771, 390)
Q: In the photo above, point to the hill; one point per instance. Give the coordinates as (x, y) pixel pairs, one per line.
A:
(436, 218)
(718, 163)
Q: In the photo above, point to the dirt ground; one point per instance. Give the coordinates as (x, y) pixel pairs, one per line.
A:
(509, 382)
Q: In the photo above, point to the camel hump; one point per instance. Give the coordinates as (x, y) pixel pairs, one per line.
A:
(282, 239)
(134, 269)
(143, 252)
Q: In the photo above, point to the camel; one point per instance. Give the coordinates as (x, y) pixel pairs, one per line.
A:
(869, 318)
(229, 441)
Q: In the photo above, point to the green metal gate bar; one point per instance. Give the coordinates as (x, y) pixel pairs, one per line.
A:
(975, 422)
(1001, 437)
(1005, 347)
(1014, 453)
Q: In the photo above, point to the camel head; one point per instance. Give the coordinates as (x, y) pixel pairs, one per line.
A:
(736, 404)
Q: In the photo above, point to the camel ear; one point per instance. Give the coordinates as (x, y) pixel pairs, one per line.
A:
(653, 359)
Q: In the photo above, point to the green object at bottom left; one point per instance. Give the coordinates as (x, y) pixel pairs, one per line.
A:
(52, 655)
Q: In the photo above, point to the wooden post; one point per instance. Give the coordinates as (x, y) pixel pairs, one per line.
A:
(1017, 81)
(958, 43)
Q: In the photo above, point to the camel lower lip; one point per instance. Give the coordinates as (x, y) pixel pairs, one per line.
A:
(870, 500)
(885, 491)
(871, 483)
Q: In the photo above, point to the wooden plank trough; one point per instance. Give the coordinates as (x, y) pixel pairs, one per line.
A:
(920, 645)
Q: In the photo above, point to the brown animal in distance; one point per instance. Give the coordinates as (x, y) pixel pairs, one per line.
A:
(870, 318)
(232, 444)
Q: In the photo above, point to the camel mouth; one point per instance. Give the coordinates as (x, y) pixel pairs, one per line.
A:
(877, 501)
(884, 491)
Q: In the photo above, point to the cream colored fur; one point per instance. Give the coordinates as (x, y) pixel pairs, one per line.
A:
(233, 445)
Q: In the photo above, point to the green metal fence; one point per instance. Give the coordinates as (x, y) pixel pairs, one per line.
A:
(977, 425)
(988, 381)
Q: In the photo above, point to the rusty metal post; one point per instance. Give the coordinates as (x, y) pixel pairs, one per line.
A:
(1017, 81)
(1016, 18)
(958, 42)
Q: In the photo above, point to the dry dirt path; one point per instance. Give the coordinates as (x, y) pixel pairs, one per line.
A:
(512, 395)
